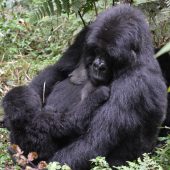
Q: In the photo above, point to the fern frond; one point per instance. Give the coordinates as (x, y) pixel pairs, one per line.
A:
(66, 6)
(51, 6)
(58, 6)
(46, 7)
(167, 2)
(144, 1)
(41, 12)
(77, 5)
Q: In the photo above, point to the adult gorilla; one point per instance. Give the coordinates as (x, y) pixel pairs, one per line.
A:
(71, 123)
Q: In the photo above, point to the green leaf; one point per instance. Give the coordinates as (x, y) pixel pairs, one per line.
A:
(66, 6)
(59, 7)
(77, 5)
(169, 89)
(65, 167)
(163, 50)
(54, 166)
(138, 2)
(46, 7)
(40, 11)
(51, 6)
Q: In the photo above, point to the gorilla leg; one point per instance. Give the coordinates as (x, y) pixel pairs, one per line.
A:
(20, 105)
(43, 131)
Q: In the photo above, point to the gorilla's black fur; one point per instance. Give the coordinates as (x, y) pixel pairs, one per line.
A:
(164, 62)
(49, 115)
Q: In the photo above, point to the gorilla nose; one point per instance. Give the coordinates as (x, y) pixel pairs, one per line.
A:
(99, 66)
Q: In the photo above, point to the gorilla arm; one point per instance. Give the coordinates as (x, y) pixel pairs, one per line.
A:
(120, 119)
(62, 68)
(23, 101)
(75, 122)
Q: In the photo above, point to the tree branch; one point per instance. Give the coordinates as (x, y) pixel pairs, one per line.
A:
(81, 18)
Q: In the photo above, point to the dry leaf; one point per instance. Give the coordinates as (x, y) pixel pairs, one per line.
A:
(42, 165)
(22, 162)
(17, 149)
(29, 168)
(32, 156)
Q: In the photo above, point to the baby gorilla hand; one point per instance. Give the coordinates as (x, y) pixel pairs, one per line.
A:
(102, 93)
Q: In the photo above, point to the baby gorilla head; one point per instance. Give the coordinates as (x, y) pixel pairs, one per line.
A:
(95, 67)
(98, 65)
(99, 69)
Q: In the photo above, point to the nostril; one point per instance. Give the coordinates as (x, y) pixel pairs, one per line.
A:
(102, 67)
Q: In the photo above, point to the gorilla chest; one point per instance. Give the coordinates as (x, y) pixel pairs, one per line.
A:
(64, 96)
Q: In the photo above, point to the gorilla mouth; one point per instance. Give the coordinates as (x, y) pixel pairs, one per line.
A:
(97, 75)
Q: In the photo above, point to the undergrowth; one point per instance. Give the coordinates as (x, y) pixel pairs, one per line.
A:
(160, 160)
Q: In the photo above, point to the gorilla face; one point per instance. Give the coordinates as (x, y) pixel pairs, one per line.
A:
(98, 66)
(95, 66)
(100, 71)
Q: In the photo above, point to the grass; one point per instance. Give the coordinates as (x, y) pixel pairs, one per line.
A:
(5, 160)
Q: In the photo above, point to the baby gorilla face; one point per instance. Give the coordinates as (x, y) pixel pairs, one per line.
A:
(99, 67)
(99, 71)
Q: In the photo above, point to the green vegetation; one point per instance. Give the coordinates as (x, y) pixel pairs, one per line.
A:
(29, 41)
(5, 160)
